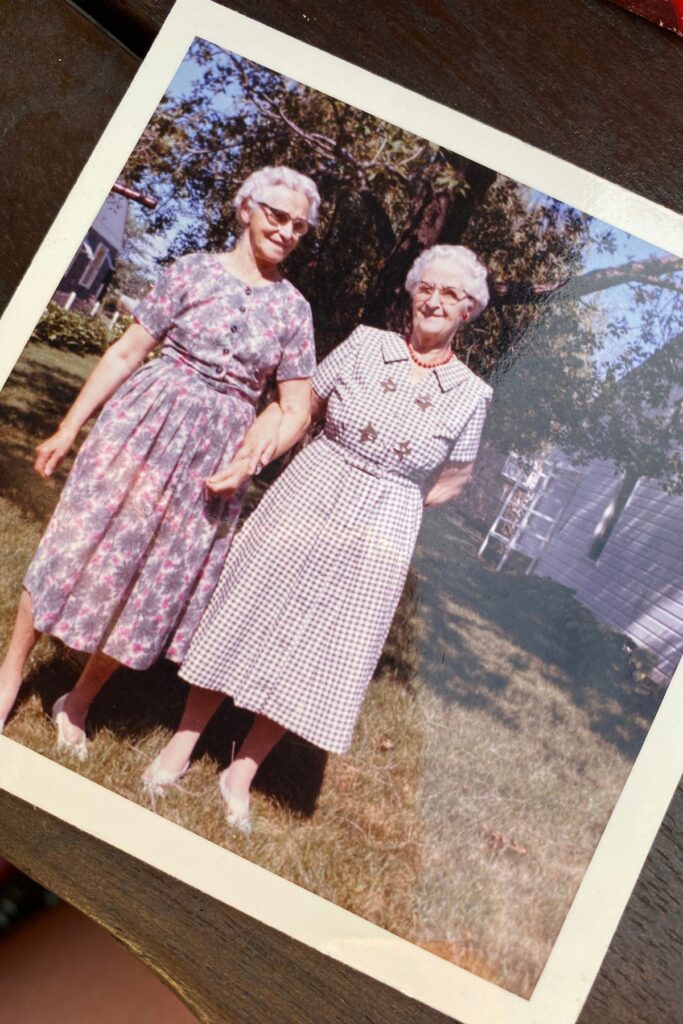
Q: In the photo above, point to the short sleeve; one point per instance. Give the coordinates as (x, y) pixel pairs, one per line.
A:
(466, 444)
(332, 366)
(159, 308)
(298, 353)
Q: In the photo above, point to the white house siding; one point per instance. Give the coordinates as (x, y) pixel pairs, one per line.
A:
(578, 506)
(636, 584)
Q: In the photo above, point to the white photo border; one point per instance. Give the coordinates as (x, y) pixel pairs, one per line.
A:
(621, 852)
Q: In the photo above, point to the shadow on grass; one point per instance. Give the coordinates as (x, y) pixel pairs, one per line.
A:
(33, 402)
(467, 630)
(133, 704)
(480, 628)
(36, 498)
(38, 395)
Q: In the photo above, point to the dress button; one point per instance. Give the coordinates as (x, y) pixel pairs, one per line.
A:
(234, 329)
(226, 351)
(248, 290)
(243, 309)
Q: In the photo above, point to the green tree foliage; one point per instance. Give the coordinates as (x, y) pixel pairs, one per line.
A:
(386, 196)
(130, 276)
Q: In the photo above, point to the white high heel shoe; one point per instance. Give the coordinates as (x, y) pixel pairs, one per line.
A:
(156, 780)
(236, 811)
(77, 748)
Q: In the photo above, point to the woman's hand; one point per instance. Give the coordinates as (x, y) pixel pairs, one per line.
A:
(226, 481)
(115, 366)
(50, 454)
(449, 484)
(279, 426)
(261, 441)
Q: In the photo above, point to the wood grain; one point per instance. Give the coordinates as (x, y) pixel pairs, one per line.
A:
(60, 79)
(641, 978)
(582, 79)
(226, 967)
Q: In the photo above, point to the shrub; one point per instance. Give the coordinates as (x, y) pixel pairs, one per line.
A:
(72, 331)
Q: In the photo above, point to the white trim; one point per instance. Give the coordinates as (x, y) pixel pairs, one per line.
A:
(93, 267)
(613, 871)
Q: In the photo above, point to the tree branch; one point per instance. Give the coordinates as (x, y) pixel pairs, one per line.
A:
(323, 144)
(643, 271)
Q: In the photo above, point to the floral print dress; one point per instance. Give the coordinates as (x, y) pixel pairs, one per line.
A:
(135, 546)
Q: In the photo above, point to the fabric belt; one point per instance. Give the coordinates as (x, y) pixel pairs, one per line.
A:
(357, 461)
(215, 383)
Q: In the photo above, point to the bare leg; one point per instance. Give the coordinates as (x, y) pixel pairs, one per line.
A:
(258, 743)
(22, 642)
(98, 669)
(199, 708)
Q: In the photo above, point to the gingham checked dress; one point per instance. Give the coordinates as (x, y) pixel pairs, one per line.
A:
(305, 600)
(134, 549)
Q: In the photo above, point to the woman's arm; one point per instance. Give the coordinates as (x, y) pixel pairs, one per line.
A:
(449, 483)
(318, 407)
(274, 432)
(294, 399)
(115, 366)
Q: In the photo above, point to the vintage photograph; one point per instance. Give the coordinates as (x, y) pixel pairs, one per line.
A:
(344, 477)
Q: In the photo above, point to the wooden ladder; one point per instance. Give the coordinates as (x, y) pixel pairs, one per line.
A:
(520, 516)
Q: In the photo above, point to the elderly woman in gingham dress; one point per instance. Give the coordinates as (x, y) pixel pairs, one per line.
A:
(135, 547)
(306, 598)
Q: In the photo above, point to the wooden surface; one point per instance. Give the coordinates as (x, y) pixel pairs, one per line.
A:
(227, 968)
(583, 79)
(594, 85)
(60, 79)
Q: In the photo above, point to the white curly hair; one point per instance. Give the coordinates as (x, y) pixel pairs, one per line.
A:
(469, 271)
(266, 177)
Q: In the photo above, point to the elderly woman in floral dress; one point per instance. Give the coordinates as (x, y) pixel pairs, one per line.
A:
(303, 606)
(133, 551)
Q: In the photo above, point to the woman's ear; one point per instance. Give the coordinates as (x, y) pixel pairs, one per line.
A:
(244, 211)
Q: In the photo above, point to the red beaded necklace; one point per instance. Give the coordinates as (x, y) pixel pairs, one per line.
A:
(421, 362)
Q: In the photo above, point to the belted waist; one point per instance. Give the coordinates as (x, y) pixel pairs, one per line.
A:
(357, 461)
(216, 383)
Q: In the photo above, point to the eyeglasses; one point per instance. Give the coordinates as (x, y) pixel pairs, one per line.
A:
(448, 296)
(282, 219)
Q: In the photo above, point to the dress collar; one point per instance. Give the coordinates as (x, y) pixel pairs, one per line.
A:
(395, 350)
(452, 374)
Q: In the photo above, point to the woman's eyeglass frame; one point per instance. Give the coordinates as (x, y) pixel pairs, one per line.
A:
(282, 219)
(448, 296)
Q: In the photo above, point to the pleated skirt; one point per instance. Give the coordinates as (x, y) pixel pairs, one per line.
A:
(134, 549)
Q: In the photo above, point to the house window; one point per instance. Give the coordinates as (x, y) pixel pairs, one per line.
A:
(91, 271)
(610, 517)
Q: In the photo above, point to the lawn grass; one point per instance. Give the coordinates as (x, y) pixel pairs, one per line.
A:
(495, 739)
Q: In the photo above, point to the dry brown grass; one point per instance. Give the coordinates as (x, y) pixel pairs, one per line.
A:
(495, 739)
